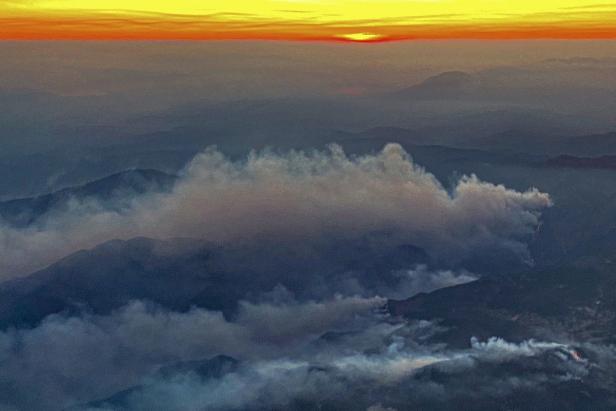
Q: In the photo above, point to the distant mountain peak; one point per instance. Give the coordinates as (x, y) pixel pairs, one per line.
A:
(113, 190)
(449, 78)
(448, 84)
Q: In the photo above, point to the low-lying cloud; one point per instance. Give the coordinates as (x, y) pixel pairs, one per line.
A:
(283, 358)
(98, 355)
(342, 380)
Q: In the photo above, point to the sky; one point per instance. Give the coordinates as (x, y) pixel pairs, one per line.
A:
(334, 20)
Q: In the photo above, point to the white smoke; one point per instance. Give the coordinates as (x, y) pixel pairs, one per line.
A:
(282, 357)
(274, 384)
(299, 197)
(98, 355)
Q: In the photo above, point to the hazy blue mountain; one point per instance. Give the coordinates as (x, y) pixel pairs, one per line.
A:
(573, 301)
(601, 162)
(588, 145)
(112, 275)
(444, 86)
(181, 273)
(114, 192)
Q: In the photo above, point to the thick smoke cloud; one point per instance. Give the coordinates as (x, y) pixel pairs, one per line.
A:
(290, 347)
(298, 198)
(281, 360)
(98, 355)
(339, 379)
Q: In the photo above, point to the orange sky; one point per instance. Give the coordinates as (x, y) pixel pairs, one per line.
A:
(340, 20)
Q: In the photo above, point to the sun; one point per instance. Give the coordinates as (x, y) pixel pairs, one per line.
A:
(362, 36)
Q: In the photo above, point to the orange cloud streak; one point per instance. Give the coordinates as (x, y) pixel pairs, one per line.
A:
(153, 26)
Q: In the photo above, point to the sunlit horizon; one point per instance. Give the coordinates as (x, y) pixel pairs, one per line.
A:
(341, 20)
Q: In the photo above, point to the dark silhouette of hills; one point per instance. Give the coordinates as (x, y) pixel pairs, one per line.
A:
(181, 273)
(112, 191)
(602, 162)
(571, 301)
(171, 273)
(590, 145)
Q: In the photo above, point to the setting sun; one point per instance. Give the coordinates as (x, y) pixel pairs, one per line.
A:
(361, 36)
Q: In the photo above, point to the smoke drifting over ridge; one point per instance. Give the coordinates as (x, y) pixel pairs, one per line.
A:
(303, 198)
(289, 350)
(275, 384)
(98, 356)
